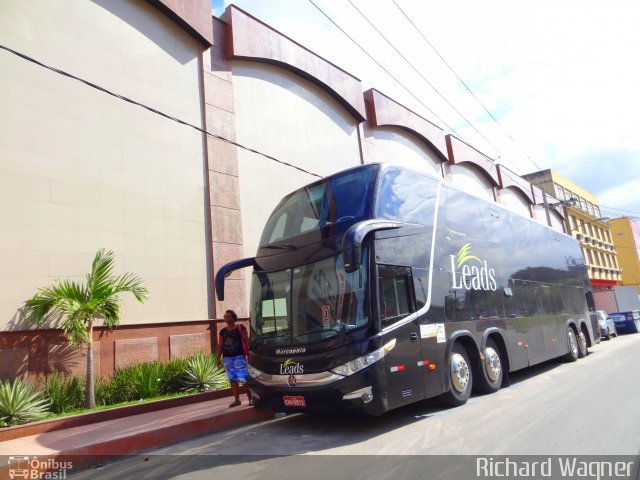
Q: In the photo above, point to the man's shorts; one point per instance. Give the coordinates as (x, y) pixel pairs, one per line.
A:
(236, 368)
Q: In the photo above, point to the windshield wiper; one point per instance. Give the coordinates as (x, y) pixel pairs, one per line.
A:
(281, 247)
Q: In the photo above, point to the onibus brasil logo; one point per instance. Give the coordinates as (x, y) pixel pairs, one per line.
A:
(39, 469)
(470, 272)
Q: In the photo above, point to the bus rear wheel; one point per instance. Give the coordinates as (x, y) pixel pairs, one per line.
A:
(492, 372)
(582, 344)
(460, 376)
(572, 341)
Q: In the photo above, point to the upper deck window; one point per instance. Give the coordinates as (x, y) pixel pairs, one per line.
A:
(407, 197)
(337, 199)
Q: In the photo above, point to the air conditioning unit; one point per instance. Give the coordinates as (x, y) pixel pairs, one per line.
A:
(579, 236)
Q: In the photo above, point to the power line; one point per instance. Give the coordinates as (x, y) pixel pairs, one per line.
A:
(423, 77)
(619, 209)
(385, 70)
(153, 110)
(465, 85)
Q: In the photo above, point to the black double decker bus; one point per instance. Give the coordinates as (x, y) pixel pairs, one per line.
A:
(380, 286)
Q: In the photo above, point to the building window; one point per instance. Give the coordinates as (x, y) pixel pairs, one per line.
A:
(559, 192)
(567, 195)
(596, 211)
(590, 208)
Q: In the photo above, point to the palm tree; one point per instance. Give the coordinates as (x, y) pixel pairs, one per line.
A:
(76, 306)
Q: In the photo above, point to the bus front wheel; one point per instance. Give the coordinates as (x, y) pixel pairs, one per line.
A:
(460, 376)
(572, 341)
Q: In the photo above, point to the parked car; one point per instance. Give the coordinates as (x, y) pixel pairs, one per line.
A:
(626, 322)
(606, 324)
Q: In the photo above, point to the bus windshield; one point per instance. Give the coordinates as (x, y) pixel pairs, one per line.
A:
(309, 303)
(341, 198)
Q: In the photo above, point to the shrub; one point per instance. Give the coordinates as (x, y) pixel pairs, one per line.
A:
(174, 370)
(117, 388)
(64, 394)
(20, 404)
(203, 374)
(147, 379)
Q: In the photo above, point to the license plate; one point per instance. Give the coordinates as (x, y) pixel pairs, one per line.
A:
(294, 401)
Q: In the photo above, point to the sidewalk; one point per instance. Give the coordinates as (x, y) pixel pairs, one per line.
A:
(92, 444)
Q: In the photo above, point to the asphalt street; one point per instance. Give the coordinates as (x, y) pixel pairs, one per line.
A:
(586, 411)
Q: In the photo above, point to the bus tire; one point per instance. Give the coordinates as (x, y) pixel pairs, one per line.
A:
(582, 344)
(461, 377)
(572, 342)
(491, 369)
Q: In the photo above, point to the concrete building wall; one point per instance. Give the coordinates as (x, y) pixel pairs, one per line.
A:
(291, 119)
(515, 202)
(472, 181)
(283, 115)
(625, 233)
(393, 145)
(81, 170)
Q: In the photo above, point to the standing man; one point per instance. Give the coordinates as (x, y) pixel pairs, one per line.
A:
(233, 339)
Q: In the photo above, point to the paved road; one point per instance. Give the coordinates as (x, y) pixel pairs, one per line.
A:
(591, 407)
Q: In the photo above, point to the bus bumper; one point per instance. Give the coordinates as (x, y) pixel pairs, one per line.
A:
(357, 393)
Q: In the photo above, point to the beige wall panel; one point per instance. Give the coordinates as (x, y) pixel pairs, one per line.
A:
(556, 222)
(391, 145)
(541, 217)
(292, 120)
(81, 170)
(515, 202)
(471, 181)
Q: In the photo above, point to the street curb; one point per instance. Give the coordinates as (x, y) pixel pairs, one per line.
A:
(62, 423)
(93, 455)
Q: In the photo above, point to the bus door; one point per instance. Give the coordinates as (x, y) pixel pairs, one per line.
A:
(405, 375)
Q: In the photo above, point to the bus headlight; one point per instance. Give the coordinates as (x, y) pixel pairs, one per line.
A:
(253, 372)
(364, 361)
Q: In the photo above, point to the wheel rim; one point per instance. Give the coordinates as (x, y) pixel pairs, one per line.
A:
(492, 364)
(573, 345)
(583, 341)
(459, 372)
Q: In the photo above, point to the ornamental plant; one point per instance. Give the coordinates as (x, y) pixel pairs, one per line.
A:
(203, 374)
(76, 306)
(19, 403)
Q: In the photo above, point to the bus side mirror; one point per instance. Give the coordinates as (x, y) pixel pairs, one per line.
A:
(227, 269)
(354, 237)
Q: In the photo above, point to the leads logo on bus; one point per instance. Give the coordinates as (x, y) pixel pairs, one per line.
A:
(471, 277)
(290, 367)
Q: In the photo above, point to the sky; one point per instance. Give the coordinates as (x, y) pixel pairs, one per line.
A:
(561, 78)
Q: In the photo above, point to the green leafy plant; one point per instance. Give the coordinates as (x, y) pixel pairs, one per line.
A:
(118, 388)
(64, 394)
(203, 374)
(20, 404)
(174, 370)
(147, 378)
(76, 306)
(108, 392)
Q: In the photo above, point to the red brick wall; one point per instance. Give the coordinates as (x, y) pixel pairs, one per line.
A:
(35, 353)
